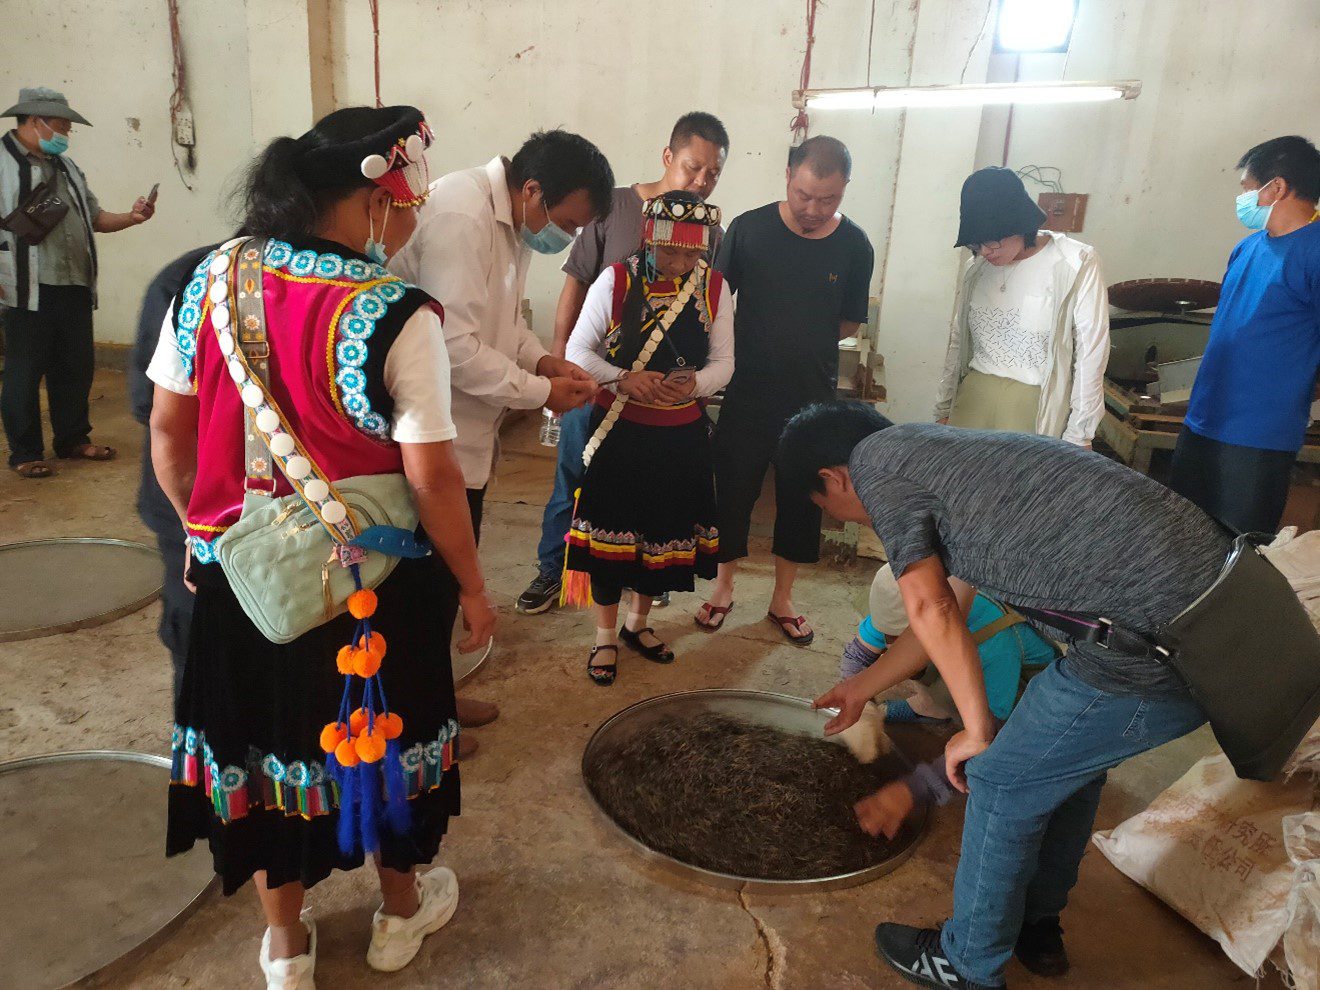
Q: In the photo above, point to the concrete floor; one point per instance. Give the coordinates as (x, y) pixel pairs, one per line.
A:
(550, 898)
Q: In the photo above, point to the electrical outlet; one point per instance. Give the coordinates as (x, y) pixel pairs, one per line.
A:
(1064, 212)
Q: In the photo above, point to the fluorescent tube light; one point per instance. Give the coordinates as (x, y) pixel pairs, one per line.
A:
(888, 97)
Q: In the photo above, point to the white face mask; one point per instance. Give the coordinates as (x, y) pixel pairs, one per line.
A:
(375, 249)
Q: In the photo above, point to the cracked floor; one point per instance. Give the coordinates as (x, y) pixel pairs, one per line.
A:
(550, 898)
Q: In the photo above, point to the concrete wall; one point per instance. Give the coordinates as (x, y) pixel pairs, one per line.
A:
(495, 71)
(112, 59)
(1159, 170)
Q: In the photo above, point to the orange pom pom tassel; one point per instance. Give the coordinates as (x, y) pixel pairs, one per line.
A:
(346, 754)
(365, 663)
(332, 735)
(344, 660)
(362, 603)
(357, 722)
(375, 645)
(390, 724)
(370, 747)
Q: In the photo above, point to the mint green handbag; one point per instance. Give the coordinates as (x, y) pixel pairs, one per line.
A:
(293, 561)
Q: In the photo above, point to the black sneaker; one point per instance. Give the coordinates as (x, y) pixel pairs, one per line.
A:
(1040, 948)
(541, 595)
(916, 953)
(660, 601)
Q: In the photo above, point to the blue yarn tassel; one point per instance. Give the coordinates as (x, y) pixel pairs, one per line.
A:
(369, 804)
(348, 817)
(398, 813)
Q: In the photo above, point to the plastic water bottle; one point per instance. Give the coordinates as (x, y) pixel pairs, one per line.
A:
(549, 428)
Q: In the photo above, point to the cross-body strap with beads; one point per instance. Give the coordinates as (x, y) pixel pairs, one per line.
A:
(662, 327)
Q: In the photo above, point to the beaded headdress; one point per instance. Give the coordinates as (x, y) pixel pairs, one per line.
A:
(392, 154)
(679, 220)
(403, 170)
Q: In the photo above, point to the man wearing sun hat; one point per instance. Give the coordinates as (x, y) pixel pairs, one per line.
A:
(48, 281)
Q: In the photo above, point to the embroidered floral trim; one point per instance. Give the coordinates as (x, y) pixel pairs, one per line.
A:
(189, 317)
(297, 788)
(353, 328)
(354, 322)
(204, 550)
(627, 547)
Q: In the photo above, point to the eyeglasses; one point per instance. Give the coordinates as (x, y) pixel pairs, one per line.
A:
(987, 245)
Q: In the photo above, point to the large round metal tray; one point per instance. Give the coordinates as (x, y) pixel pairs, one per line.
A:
(781, 711)
(84, 882)
(54, 586)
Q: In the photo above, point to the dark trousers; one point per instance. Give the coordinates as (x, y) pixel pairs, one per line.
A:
(54, 343)
(1243, 488)
(746, 437)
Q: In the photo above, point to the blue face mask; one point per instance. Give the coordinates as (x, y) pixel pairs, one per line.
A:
(550, 239)
(1250, 212)
(56, 144)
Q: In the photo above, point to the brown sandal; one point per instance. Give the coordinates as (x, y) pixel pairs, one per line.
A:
(33, 469)
(466, 748)
(90, 452)
(784, 622)
(713, 612)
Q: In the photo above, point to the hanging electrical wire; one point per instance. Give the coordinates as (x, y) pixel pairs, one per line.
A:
(375, 43)
(182, 132)
(1036, 173)
(801, 124)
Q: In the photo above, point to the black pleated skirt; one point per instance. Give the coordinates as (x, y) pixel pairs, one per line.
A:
(249, 773)
(645, 518)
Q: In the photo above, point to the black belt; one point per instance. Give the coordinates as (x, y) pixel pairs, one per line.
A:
(1100, 631)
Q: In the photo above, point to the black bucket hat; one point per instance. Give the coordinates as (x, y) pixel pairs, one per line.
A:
(995, 205)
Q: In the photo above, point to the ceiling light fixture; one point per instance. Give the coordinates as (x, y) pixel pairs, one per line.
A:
(989, 94)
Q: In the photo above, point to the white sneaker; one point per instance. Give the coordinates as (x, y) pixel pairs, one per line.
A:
(295, 973)
(396, 941)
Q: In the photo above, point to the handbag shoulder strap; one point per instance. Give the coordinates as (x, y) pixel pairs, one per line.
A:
(269, 440)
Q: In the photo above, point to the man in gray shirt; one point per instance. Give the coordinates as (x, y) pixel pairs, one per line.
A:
(1036, 522)
(48, 289)
(693, 160)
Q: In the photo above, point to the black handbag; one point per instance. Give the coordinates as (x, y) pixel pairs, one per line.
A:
(1245, 650)
(40, 212)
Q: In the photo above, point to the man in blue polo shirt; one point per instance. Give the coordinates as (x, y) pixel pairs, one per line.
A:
(1251, 402)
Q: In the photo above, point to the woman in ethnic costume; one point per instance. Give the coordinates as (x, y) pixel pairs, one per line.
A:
(358, 366)
(657, 332)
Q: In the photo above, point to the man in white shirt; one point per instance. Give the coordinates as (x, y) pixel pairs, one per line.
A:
(474, 240)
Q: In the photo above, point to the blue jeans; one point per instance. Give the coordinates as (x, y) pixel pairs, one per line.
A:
(1033, 798)
(573, 435)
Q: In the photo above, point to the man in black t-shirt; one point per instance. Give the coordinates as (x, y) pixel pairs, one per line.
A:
(800, 272)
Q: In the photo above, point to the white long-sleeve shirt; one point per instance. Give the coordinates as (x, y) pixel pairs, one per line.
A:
(467, 253)
(586, 345)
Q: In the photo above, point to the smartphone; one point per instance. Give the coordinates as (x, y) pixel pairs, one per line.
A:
(680, 376)
(151, 196)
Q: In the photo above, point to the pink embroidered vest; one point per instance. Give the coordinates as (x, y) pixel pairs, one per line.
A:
(331, 318)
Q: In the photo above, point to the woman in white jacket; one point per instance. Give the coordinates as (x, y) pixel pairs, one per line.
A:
(1030, 335)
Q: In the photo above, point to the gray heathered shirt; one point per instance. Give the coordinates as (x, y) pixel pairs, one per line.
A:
(1038, 522)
